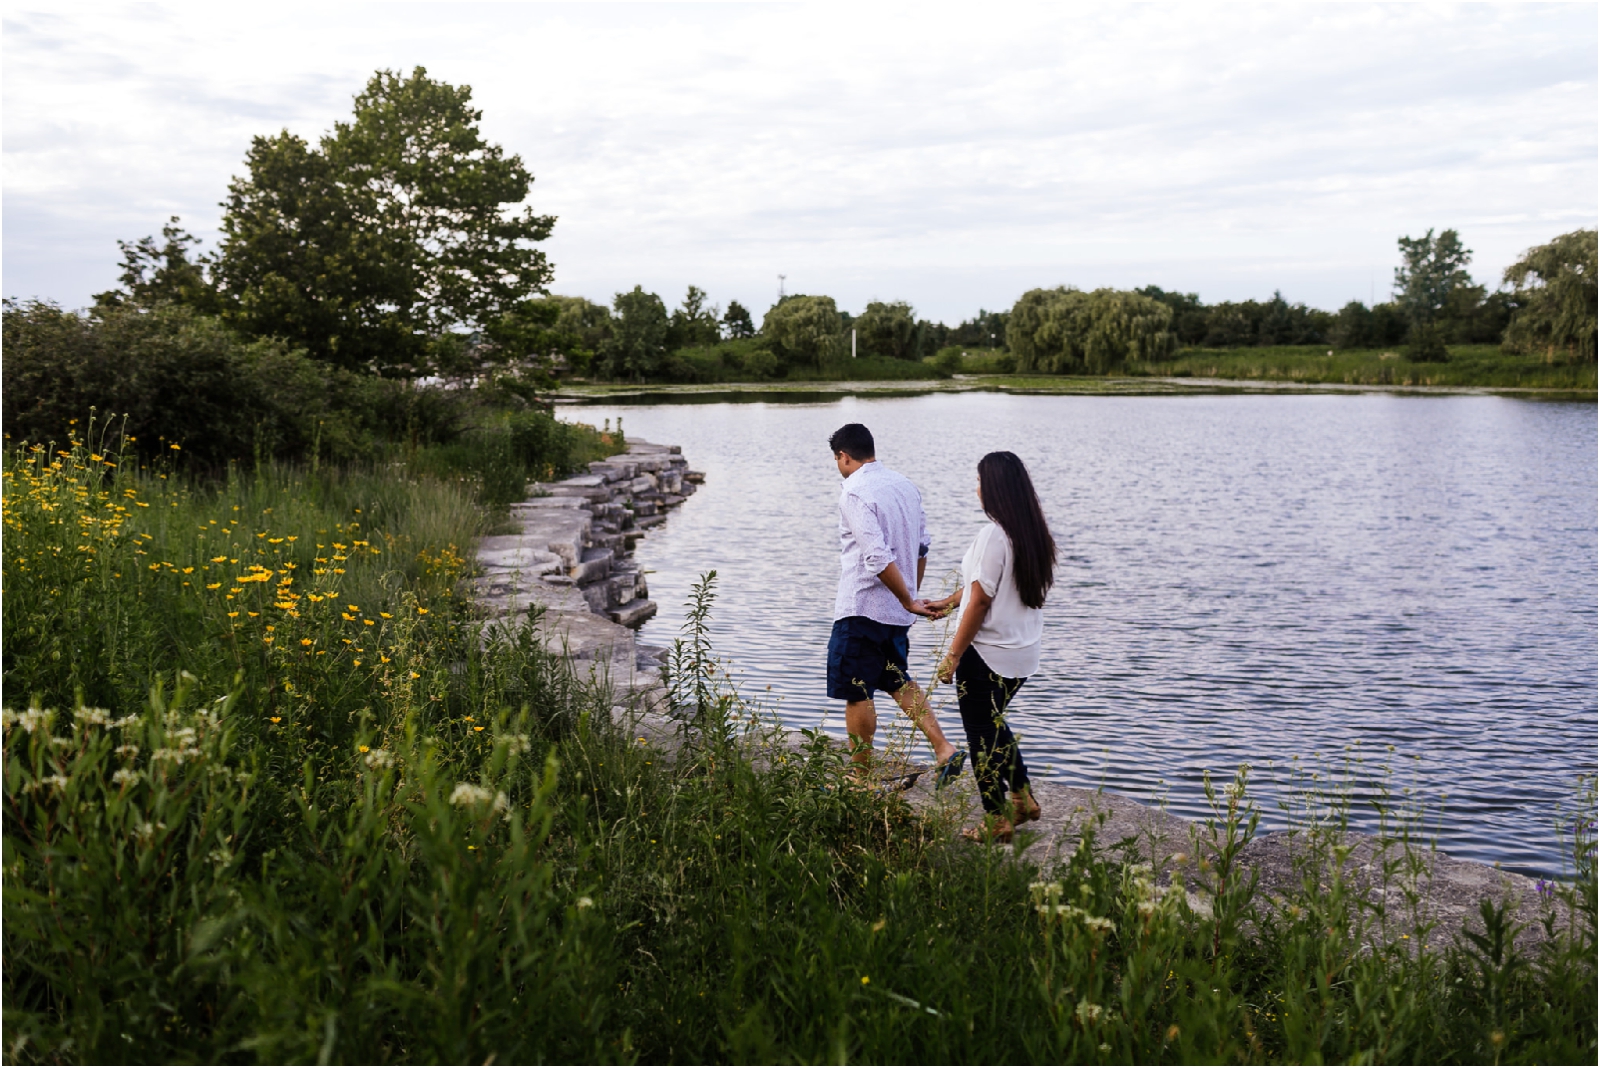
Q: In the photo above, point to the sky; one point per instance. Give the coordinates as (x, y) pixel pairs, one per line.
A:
(948, 156)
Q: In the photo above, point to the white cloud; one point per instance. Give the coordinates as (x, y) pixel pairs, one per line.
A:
(949, 156)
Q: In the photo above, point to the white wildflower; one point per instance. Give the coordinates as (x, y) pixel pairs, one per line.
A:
(1088, 1012)
(466, 793)
(124, 777)
(30, 721)
(125, 721)
(380, 758)
(130, 751)
(147, 830)
(586, 902)
(58, 781)
(515, 743)
(1099, 923)
(95, 717)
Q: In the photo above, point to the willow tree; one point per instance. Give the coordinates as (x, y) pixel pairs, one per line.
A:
(805, 331)
(1068, 331)
(1555, 294)
(387, 239)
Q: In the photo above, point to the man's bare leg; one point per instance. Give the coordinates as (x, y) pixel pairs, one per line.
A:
(914, 703)
(861, 722)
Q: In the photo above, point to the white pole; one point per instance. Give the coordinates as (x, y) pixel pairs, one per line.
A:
(852, 342)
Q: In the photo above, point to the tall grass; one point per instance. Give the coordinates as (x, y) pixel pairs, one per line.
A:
(243, 824)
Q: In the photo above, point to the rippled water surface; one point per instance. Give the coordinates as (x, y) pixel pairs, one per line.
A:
(1243, 579)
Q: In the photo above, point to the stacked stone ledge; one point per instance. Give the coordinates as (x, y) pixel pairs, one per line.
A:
(572, 557)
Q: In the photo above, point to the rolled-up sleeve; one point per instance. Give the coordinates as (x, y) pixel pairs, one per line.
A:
(862, 520)
(924, 543)
(992, 554)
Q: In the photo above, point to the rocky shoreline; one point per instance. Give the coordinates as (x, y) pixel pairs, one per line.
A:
(572, 557)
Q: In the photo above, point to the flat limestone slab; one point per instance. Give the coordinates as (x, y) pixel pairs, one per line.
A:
(562, 531)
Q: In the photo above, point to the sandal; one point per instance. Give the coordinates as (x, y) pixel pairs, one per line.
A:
(946, 772)
(1024, 809)
(995, 829)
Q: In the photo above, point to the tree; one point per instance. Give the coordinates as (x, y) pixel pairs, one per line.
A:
(394, 230)
(1188, 313)
(694, 323)
(638, 341)
(1555, 296)
(736, 322)
(1067, 331)
(804, 331)
(153, 275)
(1433, 269)
(887, 330)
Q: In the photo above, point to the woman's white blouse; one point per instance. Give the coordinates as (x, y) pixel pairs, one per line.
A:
(1010, 636)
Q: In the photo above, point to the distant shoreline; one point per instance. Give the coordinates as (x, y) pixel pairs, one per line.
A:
(1041, 385)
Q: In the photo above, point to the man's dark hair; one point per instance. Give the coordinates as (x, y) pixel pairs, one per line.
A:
(854, 440)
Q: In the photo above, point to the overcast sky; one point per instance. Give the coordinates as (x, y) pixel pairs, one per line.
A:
(952, 157)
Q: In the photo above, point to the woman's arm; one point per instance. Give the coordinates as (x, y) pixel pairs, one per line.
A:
(972, 618)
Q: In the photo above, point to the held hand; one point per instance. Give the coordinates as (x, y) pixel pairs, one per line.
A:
(920, 608)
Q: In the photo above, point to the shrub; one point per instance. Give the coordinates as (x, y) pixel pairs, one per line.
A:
(1426, 344)
(181, 378)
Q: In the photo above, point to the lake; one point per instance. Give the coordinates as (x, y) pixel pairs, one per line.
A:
(1284, 581)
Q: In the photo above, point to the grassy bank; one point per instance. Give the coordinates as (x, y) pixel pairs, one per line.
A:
(274, 800)
(1469, 365)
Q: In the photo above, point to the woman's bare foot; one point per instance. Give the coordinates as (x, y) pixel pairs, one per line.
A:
(993, 828)
(1024, 809)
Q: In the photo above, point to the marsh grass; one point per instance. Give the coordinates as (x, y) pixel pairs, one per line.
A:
(402, 842)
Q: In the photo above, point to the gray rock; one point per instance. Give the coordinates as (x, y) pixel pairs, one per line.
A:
(539, 503)
(594, 565)
(633, 613)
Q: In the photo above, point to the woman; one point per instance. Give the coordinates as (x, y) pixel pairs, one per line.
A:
(1004, 578)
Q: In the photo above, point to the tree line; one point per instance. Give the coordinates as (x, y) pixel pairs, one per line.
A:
(399, 245)
(1545, 307)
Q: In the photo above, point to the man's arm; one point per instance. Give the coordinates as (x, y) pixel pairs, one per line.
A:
(891, 577)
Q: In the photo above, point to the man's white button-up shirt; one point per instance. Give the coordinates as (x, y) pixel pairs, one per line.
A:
(880, 521)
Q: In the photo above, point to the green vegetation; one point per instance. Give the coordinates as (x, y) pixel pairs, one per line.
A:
(247, 401)
(275, 799)
(1487, 366)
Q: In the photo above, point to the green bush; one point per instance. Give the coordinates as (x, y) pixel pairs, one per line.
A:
(180, 378)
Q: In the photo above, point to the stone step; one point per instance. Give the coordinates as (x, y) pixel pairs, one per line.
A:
(694, 477)
(633, 613)
(594, 565)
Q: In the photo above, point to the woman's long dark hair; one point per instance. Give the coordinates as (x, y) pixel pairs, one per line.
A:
(1009, 499)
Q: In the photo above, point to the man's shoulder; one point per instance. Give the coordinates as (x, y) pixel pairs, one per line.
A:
(889, 479)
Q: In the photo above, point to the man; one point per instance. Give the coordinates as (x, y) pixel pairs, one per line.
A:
(882, 530)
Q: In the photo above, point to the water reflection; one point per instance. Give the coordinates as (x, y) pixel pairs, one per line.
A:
(1243, 579)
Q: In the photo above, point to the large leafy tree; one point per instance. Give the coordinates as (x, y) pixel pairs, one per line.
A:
(887, 330)
(695, 323)
(1555, 294)
(1068, 331)
(1432, 275)
(736, 321)
(638, 342)
(805, 331)
(397, 230)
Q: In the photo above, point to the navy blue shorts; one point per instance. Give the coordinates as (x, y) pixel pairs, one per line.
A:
(865, 655)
